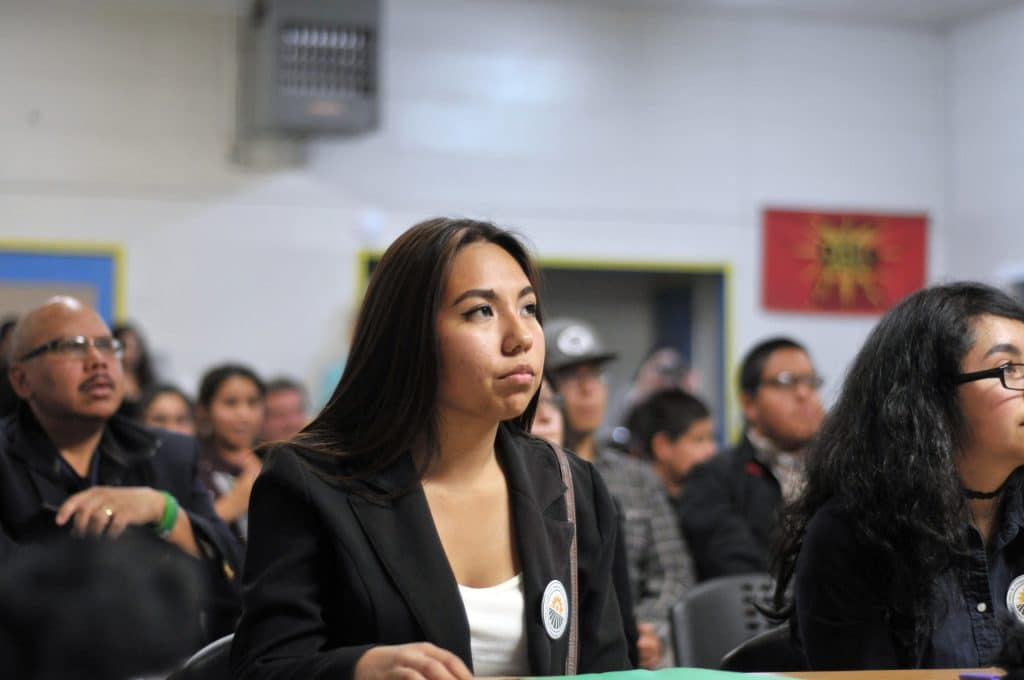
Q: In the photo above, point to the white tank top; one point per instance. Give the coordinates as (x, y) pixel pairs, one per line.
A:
(497, 635)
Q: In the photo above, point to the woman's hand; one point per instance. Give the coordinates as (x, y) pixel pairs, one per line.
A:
(235, 502)
(415, 661)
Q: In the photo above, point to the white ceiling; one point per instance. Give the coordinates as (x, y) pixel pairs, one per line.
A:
(925, 14)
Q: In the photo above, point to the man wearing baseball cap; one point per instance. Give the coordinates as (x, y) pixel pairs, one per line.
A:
(659, 564)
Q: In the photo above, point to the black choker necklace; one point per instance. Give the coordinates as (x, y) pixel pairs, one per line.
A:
(984, 495)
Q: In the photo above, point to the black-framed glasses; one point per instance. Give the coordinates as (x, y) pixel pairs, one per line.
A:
(577, 375)
(77, 347)
(1011, 375)
(788, 380)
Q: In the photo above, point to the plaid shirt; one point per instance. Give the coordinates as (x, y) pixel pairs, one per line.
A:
(659, 563)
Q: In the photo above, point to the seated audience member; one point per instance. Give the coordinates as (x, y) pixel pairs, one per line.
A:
(96, 610)
(548, 422)
(167, 407)
(730, 504)
(68, 464)
(231, 398)
(139, 375)
(8, 399)
(905, 548)
(285, 410)
(659, 564)
(414, 528)
(672, 429)
(7, 326)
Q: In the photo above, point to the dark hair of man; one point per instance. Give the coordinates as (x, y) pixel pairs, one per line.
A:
(752, 367)
(88, 609)
(886, 450)
(385, 402)
(216, 376)
(159, 390)
(672, 411)
(144, 373)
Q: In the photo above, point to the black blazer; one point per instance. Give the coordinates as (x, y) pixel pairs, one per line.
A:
(728, 509)
(31, 487)
(330, 574)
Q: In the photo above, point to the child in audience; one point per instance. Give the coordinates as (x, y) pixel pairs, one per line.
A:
(549, 423)
(167, 407)
(674, 430)
(414, 528)
(905, 548)
(231, 413)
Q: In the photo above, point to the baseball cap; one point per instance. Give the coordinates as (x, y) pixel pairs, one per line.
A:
(570, 342)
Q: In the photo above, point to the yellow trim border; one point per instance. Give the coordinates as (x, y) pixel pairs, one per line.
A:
(68, 247)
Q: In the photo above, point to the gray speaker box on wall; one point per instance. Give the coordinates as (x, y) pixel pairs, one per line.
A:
(309, 67)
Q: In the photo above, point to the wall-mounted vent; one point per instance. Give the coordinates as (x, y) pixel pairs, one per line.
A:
(310, 67)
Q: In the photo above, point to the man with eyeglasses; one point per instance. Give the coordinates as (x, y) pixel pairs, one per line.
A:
(658, 562)
(730, 504)
(69, 465)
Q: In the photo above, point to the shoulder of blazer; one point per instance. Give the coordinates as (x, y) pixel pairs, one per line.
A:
(284, 466)
(304, 470)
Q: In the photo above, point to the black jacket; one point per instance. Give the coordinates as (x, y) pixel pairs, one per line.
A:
(32, 486)
(844, 616)
(329, 573)
(729, 507)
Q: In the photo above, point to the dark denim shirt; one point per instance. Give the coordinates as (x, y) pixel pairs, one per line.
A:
(842, 620)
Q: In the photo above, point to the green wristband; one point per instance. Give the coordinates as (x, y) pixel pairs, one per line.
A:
(170, 516)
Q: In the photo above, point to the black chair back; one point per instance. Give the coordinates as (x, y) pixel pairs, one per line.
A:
(212, 662)
(716, 616)
(768, 652)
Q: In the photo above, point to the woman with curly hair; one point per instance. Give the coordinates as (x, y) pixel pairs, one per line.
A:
(905, 548)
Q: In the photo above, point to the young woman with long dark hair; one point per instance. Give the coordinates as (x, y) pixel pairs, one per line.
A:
(905, 548)
(230, 413)
(414, 529)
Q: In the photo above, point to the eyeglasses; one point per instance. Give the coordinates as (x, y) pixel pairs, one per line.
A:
(1011, 375)
(790, 381)
(77, 347)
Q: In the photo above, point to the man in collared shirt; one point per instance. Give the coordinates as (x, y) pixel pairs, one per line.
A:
(69, 465)
(730, 503)
(659, 565)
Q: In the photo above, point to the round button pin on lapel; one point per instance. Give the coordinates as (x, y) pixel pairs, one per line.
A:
(554, 609)
(1015, 598)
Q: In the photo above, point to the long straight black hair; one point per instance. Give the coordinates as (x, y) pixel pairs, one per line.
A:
(887, 449)
(386, 399)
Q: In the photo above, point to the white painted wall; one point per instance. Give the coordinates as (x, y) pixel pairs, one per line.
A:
(987, 149)
(600, 132)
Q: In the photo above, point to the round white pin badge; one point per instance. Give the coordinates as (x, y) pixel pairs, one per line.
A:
(554, 610)
(1015, 598)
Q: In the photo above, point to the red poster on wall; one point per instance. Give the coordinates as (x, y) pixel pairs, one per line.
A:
(841, 262)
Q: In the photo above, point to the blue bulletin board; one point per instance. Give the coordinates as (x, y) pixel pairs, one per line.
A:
(32, 271)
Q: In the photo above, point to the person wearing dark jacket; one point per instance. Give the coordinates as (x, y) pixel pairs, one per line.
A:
(730, 505)
(69, 465)
(906, 547)
(415, 528)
